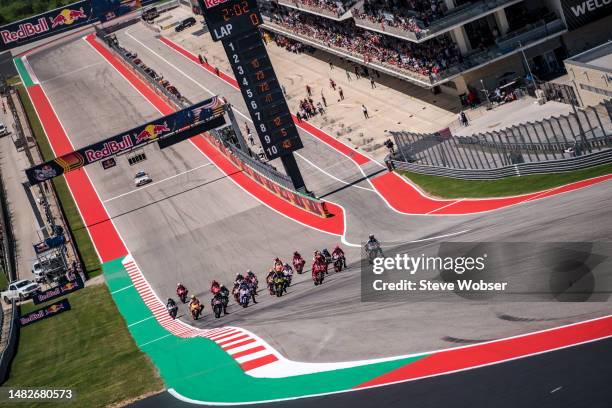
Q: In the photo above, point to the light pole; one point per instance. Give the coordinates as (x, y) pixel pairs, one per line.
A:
(528, 66)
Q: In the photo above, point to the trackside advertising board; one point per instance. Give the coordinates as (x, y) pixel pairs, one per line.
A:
(61, 290)
(581, 12)
(45, 312)
(107, 10)
(47, 24)
(156, 130)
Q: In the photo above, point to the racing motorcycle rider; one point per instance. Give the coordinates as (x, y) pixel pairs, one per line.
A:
(298, 262)
(373, 243)
(222, 298)
(253, 279)
(339, 253)
(239, 278)
(270, 280)
(318, 265)
(172, 308)
(195, 307)
(288, 274)
(251, 283)
(214, 287)
(181, 292)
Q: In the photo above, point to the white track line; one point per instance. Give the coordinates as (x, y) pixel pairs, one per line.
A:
(156, 182)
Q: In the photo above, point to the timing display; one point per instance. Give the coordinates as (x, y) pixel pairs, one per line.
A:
(228, 19)
(263, 95)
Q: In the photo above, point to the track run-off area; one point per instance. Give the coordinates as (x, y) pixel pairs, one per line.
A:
(203, 220)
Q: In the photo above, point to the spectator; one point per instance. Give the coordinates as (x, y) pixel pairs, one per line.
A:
(332, 84)
(341, 93)
(308, 90)
(365, 112)
(251, 139)
(331, 65)
(323, 99)
(372, 83)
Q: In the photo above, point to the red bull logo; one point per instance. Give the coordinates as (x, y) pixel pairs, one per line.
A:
(213, 3)
(108, 149)
(67, 17)
(25, 30)
(151, 132)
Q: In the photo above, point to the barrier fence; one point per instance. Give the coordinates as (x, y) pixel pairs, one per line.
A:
(587, 131)
(8, 344)
(522, 169)
(266, 176)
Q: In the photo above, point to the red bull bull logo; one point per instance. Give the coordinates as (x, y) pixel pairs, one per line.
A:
(151, 132)
(67, 17)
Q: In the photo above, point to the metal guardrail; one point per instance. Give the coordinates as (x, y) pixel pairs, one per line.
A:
(6, 357)
(522, 169)
(554, 138)
(264, 169)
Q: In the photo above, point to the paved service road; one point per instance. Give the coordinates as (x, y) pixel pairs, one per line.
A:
(197, 226)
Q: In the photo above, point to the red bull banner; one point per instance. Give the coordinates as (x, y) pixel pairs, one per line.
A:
(47, 24)
(157, 130)
(45, 312)
(68, 287)
(312, 205)
(107, 10)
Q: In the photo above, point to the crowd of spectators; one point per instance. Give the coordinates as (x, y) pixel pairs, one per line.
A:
(331, 6)
(427, 59)
(408, 15)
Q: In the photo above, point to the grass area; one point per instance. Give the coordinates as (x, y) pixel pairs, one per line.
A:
(87, 349)
(75, 222)
(3, 279)
(13, 80)
(11, 10)
(446, 187)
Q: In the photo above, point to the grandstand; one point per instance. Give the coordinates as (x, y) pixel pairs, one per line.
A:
(453, 46)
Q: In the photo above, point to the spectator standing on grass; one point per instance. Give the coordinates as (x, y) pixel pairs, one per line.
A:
(341, 93)
(308, 90)
(372, 83)
(365, 112)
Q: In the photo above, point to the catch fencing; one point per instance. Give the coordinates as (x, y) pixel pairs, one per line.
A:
(8, 344)
(577, 134)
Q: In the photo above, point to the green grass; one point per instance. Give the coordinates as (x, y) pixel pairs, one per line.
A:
(75, 222)
(87, 349)
(446, 187)
(3, 279)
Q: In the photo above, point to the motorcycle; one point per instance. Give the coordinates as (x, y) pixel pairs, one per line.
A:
(182, 294)
(279, 286)
(172, 310)
(217, 307)
(196, 310)
(236, 292)
(245, 295)
(318, 278)
(299, 266)
(326, 255)
(338, 263)
(373, 250)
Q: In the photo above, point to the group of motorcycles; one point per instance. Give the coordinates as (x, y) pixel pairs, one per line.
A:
(278, 280)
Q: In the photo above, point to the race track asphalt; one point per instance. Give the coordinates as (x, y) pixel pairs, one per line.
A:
(576, 377)
(199, 226)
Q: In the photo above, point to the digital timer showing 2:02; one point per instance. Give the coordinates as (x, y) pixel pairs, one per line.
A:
(230, 18)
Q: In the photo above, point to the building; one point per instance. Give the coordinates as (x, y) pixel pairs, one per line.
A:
(590, 73)
(489, 39)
